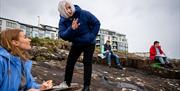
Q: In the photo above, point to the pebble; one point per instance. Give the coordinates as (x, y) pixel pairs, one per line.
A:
(105, 72)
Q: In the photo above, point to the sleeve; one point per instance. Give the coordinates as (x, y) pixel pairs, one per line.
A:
(162, 52)
(31, 83)
(94, 23)
(110, 50)
(152, 51)
(66, 33)
(1, 70)
(105, 47)
(110, 47)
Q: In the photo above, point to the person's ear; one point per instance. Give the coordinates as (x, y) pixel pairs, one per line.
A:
(14, 42)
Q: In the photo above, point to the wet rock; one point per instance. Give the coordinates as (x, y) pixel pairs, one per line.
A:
(34, 63)
(43, 54)
(138, 76)
(111, 78)
(102, 89)
(79, 66)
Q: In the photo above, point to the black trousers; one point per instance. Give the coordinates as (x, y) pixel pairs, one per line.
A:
(74, 54)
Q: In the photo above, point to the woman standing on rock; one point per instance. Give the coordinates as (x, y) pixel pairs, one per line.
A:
(15, 66)
(81, 28)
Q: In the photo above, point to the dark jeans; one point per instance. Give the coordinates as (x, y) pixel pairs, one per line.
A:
(74, 54)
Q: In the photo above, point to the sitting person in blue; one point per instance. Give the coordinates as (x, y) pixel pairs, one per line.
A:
(15, 63)
(108, 53)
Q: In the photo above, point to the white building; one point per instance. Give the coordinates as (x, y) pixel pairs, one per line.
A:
(8, 24)
(118, 41)
(51, 32)
(41, 31)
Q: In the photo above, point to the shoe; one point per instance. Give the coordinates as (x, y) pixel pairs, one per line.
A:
(170, 65)
(120, 67)
(62, 85)
(109, 65)
(86, 88)
(164, 65)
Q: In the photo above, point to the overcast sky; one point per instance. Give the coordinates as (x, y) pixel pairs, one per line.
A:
(142, 21)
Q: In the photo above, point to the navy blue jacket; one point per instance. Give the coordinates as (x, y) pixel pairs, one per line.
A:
(87, 31)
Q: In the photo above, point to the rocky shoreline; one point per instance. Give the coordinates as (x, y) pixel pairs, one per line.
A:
(138, 76)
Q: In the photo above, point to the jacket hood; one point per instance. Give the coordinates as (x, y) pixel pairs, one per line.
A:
(76, 13)
(157, 47)
(62, 8)
(77, 8)
(4, 53)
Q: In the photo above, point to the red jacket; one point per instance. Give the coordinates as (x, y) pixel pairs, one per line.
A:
(153, 52)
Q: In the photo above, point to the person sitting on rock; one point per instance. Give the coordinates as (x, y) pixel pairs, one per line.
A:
(108, 53)
(15, 66)
(156, 53)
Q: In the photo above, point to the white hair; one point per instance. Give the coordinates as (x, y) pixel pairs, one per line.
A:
(61, 8)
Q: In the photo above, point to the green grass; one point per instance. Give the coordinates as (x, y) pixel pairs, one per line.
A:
(156, 65)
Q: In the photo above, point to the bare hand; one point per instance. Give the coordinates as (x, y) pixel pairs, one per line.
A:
(75, 24)
(46, 85)
(33, 89)
(107, 51)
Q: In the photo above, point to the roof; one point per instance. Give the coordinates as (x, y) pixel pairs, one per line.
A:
(8, 19)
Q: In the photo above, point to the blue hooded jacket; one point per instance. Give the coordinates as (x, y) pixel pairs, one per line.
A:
(10, 72)
(87, 31)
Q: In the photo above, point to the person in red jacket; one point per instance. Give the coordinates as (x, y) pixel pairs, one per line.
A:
(156, 53)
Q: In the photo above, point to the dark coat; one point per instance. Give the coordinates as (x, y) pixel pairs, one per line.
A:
(86, 32)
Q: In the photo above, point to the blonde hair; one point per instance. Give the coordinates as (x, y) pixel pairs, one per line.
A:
(6, 38)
